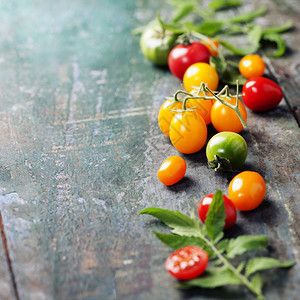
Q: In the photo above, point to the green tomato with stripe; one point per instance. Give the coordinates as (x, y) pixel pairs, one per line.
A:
(156, 44)
(226, 151)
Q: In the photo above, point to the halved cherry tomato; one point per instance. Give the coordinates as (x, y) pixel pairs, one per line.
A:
(212, 47)
(182, 56)
(198, 73)
(230, 210)
(247, 190)
(172, 170)
(187, 263)
(188, 131)
(252, 65)
(261, 94)
(224, 118)
(166, 114)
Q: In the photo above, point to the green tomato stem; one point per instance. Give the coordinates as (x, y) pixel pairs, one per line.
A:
(215, 96)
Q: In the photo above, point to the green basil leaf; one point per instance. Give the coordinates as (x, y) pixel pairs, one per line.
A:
(209, 27)
(230, 77)
(241, 266)
(182, 12)
(177, 241)
(181, 224)
(264, 263)
(278, 40)
(247, 17)
(215, 219)
(218, 63)
(241, 52)
(278, 29)
(212, 278)
(257, 283)
(223, 245)
(246, 243)
(254, 36)
(224, 4)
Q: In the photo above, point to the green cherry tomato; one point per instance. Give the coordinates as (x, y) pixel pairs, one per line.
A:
(226, 151)
(156, 44)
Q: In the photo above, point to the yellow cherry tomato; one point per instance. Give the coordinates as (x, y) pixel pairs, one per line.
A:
(252, 65)
(172, 170)
(224, 118)
(247, 190)
(166, 114)
(198, 73)
(188, 132)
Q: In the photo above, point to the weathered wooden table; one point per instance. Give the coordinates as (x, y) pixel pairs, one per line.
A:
(80, 148)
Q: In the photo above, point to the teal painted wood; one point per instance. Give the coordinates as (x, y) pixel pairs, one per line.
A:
(80, 147)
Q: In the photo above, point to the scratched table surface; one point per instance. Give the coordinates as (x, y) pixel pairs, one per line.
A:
(80, 148)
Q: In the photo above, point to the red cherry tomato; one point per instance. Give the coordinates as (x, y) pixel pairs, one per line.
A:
(261, 94)
(230, 209)
(187, 263)
(182, 56)
(172, 170)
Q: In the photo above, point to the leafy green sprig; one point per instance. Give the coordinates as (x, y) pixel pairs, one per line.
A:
(208, 24)
(222, 251)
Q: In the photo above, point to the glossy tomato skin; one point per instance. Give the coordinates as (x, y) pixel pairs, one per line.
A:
(247, 190)
(187, 263)
(182, 56)
(172, 170)
(228, 145)
(203, 106)
(252, 65)
(188, 132)
(166, 114)
(156, 44)
(224, 118)
(213, 46)
(198, 73)
(261, 94)
(230, 210)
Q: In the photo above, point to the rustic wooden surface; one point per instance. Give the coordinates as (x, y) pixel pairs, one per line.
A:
(80, 147)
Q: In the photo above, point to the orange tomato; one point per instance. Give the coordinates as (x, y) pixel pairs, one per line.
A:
(212, 47)
(252, 65)
(247, 190)
(166, 114)
(188, 132)
(224, 118)
(203, 106)
(172, 170)
(198, 73)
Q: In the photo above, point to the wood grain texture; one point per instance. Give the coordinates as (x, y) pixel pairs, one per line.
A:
(80, 147)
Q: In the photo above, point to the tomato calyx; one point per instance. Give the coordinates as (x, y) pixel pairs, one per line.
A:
(220, 164)
(203, 93)
(184, 39)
